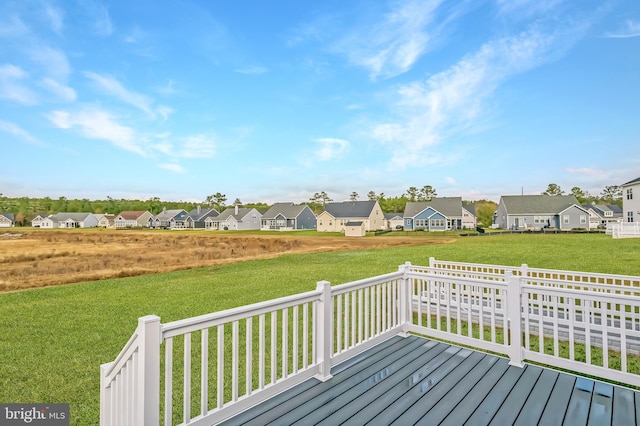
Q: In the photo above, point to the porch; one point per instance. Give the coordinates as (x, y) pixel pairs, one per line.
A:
(342, 348)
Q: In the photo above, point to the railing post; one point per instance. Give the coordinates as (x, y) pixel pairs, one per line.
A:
(324, 330)
(148, 410)
(404, 305)
(105, 396)
(432, 261)
(514, 315)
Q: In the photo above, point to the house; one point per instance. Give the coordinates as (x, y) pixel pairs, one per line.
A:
(37, 221)
(439, 214)
(335, 216)
(469, 219)
(6, 220)
(540, 211)
(288, 216)
(171, 219)
(133, 219)
(602, 214)
(107, 221)
(199, 215)
(393, 221)
(70, 220)
(354, 229)
(236, 219)
(631, 201)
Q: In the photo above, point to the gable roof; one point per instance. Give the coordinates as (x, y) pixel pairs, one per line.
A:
(350, 208)
(538, 204)
(201, 214)
(231, 212)
(170, 214)
(631, 182)
(9, 216)
(601, 209)
(390, 216)
(63, 216)
(288, 210)
(131, 214)
(448, 206)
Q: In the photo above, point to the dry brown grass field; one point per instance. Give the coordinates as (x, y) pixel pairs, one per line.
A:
(40, 258)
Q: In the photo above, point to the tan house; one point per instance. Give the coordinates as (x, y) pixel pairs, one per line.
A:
(335, 216)
(133, 219)
(354, 229)
(107, 221)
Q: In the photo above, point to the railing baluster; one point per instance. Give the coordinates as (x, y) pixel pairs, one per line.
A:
(295, 340)
(261, 352)
(234, 361)
(248, 370)
(168, 381)
(274, 340)
(220, 366)
(204, 372)
(285, 343)
(187, 378)
(305, 335)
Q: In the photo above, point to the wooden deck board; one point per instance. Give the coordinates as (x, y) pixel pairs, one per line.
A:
(412, 380)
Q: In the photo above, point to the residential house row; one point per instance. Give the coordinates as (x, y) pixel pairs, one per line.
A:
(514, 212)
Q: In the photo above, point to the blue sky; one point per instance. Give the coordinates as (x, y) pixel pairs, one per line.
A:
(275, 101)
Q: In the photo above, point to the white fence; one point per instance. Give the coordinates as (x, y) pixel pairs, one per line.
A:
(588, 323)
(624, 230)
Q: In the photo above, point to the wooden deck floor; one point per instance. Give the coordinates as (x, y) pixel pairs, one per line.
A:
(413, 380)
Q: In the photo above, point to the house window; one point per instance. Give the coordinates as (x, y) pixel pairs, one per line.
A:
(421, 223)
(566, 219)
(629, 216)
(437, 223)
(630, 194)
(583, 219)
(320, 222)
(608, 214)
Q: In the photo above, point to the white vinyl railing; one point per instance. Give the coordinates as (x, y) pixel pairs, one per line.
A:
(217, 365)
(624, 230)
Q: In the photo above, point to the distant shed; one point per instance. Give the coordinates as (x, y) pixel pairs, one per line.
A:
(355, 229)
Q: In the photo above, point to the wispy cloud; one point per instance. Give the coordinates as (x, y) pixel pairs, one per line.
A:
(454, 100)
(252, 70)
(53, 61)
(524, 9)
(194, 146)
(330, 148)
(628, 30)
(114, 88)
(12, 86)
(172, 167)
(56, 17)
(13, 26)
(99, 16)
(63, 92)
(19, 132)
(586, 171)
(94, 123)
(391, 46)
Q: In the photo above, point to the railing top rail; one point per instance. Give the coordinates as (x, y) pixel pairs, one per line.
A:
(367, 282)
(201, 322)
(582, 284)
(458, 279)
(624, 299)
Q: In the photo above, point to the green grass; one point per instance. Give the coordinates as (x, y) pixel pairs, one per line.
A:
(55, 339)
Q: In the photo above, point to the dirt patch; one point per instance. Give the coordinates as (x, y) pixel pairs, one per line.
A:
(40, 258)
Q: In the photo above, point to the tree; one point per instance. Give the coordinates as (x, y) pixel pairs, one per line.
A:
(412, 193)
(484, 212)
(426, 193)
(372, 196)
(579, 194)
(237, 202)
(216, 200)
(553, 190)
(354, 196)
(612, 194)
(319, 200)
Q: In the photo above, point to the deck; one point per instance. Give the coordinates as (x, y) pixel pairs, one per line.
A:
(414, 380)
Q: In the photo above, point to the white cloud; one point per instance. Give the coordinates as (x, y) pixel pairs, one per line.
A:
(53, 61)
(522, 9)
(586, 171)
(114, 88)
(13, 28)
(195, 146)
(55, 17)
(15, 130)
(252, 70)
(330, 148)
(97, 124)
(453, 101)
(12, 87)
(172, 167)
(99, 16)
(391, 46)
(629, 29)
(63, 92)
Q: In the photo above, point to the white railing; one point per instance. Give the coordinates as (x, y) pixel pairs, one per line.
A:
(624, 229)
(217, 365)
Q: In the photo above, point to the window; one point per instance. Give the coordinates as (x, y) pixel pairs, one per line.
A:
(629, 216)
(583, 219)
(421, 223)
(437, 223)
(608, 214)
(630, 194)
(566, 219)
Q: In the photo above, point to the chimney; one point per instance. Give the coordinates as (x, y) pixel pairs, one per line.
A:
(198, 210)
(236, 210)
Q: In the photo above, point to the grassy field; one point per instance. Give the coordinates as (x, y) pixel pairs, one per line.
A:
(54, 339)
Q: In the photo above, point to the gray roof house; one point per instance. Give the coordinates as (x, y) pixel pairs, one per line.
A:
(199, 215)
(439, 214)
(519, 212)
(336, 215)
(6, 220)
(70, 220)
(393, 220)
(171, 219)
(236, 219)
(133, 219)
(288, 216)
(601, 214)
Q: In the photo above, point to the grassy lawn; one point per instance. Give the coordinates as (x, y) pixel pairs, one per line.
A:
(55, 339)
